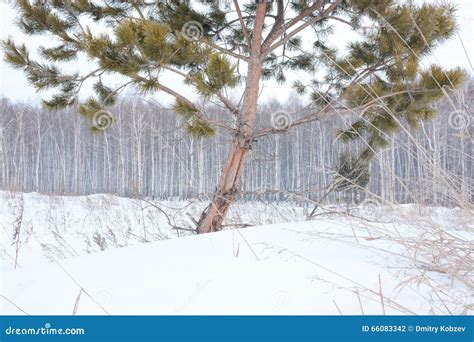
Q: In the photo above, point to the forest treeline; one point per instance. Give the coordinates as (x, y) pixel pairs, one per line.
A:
(145, 152)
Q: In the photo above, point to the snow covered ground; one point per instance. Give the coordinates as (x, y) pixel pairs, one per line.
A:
(61, 255)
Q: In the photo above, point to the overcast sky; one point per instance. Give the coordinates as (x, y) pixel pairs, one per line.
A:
(13, 83)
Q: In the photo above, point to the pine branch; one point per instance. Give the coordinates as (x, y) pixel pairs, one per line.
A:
(293, 33)
(227, 103)
(224, 51)
(180, 97)
(331, 109)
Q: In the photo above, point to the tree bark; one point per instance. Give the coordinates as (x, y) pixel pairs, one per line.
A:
(225, 194)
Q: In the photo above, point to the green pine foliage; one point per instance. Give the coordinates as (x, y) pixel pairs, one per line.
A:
(351, 172)
(381, 77)
(217, 73)
(90, 107)
(138, 48)
(199, 128)
(194, 125)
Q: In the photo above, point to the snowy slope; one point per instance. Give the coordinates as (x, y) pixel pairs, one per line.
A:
(59, 227)
(333, 265)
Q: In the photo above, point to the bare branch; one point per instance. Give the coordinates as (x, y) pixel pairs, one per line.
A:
(242, 23)
(300, 28)
(280, 20)
(328, 110)
(225, 51)
(227, 103)
(200, 113)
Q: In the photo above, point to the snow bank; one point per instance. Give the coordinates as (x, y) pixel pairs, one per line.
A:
(332, 265)
(52, 228)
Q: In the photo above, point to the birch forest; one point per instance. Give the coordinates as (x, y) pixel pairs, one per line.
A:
(145, 154)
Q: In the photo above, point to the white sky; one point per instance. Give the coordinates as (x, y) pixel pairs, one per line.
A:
(13, 83)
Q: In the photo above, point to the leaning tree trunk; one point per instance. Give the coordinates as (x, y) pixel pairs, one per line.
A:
(226, 191)
(225, 195)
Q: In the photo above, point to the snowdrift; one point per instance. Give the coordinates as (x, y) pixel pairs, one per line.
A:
(335, 264)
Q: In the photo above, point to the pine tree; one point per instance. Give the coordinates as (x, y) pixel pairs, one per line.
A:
(351, 176)
(217, 46)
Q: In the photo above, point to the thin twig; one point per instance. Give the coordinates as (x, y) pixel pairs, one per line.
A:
(76, 304)
(381, 295)
(82, 288)
(360, 301)
(16, 306)
(337, 307)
